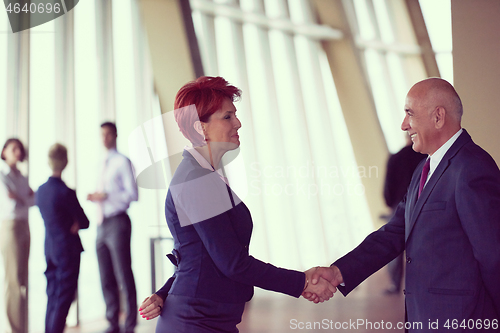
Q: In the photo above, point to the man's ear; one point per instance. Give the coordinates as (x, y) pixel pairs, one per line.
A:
(439, 117)
(198, 127)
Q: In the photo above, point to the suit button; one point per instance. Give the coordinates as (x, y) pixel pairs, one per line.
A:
(404, 291)
(408, 260)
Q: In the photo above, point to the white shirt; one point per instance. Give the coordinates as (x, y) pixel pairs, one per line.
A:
(439, 154)
(14, 181)
(118, 182)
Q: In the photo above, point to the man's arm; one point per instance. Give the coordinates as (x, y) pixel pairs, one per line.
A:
(77, 211)
(478, 206)
(130, 192)
(378, 249)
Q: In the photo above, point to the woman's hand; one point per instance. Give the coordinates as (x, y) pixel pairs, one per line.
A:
(151, 307)
(322, 291)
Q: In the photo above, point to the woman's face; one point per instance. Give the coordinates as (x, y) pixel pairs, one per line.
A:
(222, 127)
(12, 153)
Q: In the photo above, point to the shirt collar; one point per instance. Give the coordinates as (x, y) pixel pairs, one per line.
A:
(203, 162)
(439, 154)
(111, 152)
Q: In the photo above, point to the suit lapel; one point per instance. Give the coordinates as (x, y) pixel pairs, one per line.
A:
(415, 204)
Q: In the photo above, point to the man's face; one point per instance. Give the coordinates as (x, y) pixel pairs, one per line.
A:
(419, 123)
(108, 136)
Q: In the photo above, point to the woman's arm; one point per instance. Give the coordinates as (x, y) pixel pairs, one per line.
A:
(152, 306)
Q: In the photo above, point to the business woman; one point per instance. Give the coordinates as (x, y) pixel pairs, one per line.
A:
(16, 197)
(211, 226)
(63, 217)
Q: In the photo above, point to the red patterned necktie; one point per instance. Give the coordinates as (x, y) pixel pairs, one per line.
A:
(423, 177)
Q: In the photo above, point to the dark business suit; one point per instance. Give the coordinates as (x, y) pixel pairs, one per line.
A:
(452, 239)
(215, 275)
(59, 207)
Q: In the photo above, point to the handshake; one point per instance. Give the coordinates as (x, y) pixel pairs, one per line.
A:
(321, 283)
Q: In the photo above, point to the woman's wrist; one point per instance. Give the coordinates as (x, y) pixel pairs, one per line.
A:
(306, 284)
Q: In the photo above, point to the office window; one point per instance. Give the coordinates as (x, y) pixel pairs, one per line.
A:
(294, 143)
(437, 16)
(65, 104)
(4, 30)
(386, 49)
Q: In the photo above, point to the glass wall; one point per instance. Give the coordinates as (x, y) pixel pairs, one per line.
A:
(437, 15)
(67, 105)
(302, 179)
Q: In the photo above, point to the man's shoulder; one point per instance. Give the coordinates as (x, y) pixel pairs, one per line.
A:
(119, 159)
(475, 160)
(55, 185)
(119, 155)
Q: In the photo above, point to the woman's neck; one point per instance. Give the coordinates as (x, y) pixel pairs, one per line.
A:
(213, 156)
(12, 165)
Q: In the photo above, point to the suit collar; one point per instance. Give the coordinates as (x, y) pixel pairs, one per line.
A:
(415, 205)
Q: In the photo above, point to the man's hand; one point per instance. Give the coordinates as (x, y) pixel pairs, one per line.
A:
(322, 290)
(331, 274)
(12, 195)
(151, 307)
(97, 197)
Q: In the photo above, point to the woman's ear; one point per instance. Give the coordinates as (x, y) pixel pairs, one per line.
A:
(199, 127)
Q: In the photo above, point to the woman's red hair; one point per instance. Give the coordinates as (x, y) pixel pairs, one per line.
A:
(207, 94)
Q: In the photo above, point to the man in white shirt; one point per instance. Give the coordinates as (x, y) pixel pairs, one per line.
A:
(448, 223)
(117, 189)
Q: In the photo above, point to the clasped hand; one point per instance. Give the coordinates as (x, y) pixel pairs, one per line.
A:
(322, 283)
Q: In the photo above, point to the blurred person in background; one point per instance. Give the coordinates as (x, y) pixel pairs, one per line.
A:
(16, 197)
(116, 190)
(63, 217)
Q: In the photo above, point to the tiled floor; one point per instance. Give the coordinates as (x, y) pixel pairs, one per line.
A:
(367, 309)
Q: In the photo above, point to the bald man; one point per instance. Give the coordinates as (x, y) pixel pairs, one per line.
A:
(448, 223)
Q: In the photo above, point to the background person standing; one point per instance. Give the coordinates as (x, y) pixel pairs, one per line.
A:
(16, 197)
(117, 189)
(63, 217)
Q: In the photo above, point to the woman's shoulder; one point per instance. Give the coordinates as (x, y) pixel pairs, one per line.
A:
(189, 169)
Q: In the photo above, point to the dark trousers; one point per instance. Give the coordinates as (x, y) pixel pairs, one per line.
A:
(115, 268)
(62, 281)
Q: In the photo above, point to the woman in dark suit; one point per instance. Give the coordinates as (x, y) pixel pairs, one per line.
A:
(211, 226)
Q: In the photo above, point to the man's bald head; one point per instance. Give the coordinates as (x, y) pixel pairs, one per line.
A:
(435, 92)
